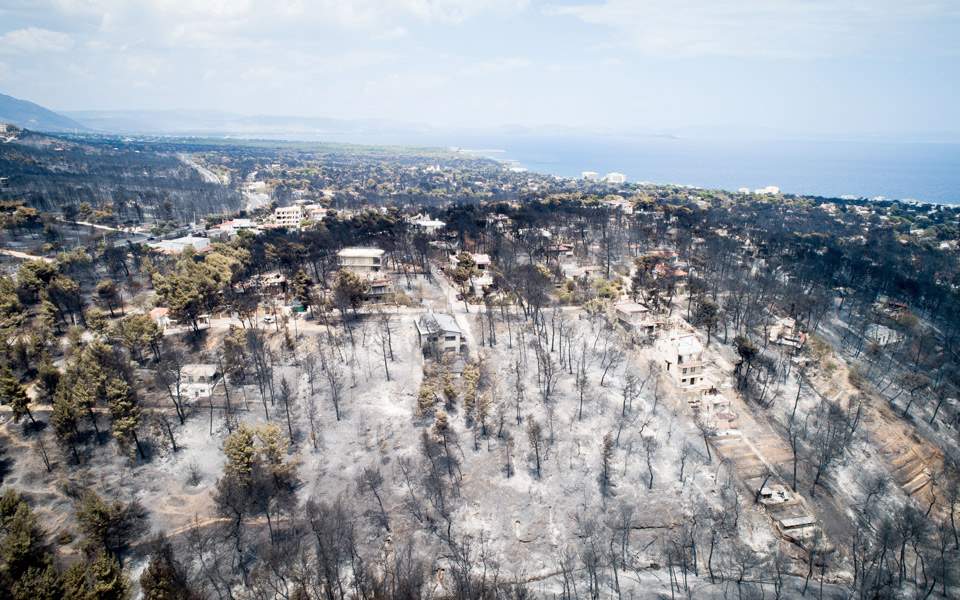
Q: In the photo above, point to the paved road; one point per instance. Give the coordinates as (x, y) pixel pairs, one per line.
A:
(94, 225)
(24, 255)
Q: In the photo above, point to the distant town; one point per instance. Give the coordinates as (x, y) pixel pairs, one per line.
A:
(248, 369)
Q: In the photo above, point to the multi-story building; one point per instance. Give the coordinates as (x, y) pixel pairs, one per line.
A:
(361, 260)
(483, 279)
(199, 380)
(438, 334)
(638, 319)
(682, 355)
(291, 217)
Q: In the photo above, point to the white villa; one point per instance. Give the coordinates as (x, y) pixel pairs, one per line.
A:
(199, 380)
(361, 260)
(682, 356)
(427, 225)
(291, 217)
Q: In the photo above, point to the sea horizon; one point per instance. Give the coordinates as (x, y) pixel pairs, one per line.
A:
(927, 172)
(914, 171)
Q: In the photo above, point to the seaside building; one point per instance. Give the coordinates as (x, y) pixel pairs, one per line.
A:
(770, 190)
(590, 176)
(615, 178)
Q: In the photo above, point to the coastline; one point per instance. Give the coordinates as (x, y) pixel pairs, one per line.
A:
(912, 172)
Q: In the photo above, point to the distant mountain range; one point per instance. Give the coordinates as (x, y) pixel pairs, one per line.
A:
(215, 123)
(33, 116)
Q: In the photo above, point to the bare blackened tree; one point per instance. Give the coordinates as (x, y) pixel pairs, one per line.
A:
(535, 437)
(650, 447)
(333, 373)
(371, 481)
(287, 400)
(606, 468)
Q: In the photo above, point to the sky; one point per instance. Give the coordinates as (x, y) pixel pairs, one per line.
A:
(800, 67)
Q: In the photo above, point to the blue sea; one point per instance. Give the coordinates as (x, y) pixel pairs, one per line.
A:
(923, 171)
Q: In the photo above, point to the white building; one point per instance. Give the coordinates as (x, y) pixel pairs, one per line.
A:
(438, 334)
(178, 245)
(198, 380)
(615, 178)
(483, 279)
(681, 354)
(230, 229)
(427, 225)
(291, 217)
(882, 335)
(770, 190)
(361, 260)
(590, 176)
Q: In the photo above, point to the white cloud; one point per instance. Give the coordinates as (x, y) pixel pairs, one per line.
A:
(35, 39)
(759, 28)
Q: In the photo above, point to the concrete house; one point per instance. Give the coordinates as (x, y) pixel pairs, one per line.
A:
(180, 244)
(638, 319)
(483, 280)
(361, 260)
(198, 380)
(438, 334)
(882, 335)
(427, 225)
(291, 217)
(681, 354)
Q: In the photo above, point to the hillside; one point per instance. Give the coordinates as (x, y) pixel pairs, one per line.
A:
(53, 173)
(23, 113)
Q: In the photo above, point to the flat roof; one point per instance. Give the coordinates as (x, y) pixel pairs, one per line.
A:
(204, 370)
(438, 322)
(360, 253)
(631, 307)
(688, 344)
(793, 522)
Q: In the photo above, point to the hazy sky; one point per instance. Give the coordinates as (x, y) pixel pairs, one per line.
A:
(803, 66)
